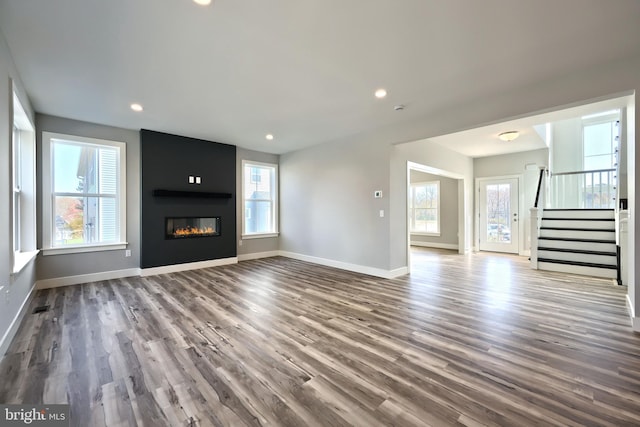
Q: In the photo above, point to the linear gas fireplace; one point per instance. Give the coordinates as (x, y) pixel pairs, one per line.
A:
(189, 227)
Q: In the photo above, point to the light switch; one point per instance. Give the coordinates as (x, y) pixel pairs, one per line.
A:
(190, 179)
(381, 213)
(198, 180)
(377, 194)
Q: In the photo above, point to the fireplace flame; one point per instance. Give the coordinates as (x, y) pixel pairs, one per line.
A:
(192, 231)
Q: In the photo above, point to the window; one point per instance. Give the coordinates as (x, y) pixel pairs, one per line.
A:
(424, 208)
(600, 140)
(17, 187)
(23, 184)
(260, 199)
(83, 194)
(255, 175)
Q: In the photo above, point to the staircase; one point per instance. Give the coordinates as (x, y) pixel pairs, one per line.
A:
(578, 241)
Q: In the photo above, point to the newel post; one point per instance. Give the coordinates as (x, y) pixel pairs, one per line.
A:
(623, 241)
(534, 238)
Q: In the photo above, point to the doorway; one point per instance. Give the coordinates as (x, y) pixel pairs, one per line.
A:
(499, 215)
(436, 219)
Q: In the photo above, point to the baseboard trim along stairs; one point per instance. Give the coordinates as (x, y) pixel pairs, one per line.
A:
(578, 241)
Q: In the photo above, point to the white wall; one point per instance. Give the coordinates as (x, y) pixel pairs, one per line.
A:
(633, 178)
(17, 288)
(448, 211)
(327, 206)
(52, 267)
(566, 145)
(251, 247)
(510, 164)
(566, 156)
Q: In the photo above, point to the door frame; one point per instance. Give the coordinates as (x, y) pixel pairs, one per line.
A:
(522, 245)
(463, 208)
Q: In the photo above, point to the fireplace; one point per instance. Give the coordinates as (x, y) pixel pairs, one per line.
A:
(191, 227)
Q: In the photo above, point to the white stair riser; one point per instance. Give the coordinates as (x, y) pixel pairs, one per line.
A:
(572, 256)
(577, 223)
(585, 246)
(608, 214)
(576, 269)
(579, 234)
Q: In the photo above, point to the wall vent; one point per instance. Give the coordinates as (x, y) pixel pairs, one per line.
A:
(41, 309)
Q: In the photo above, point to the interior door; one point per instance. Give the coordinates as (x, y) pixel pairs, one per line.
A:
(499, 215)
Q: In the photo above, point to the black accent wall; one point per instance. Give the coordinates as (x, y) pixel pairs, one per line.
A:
(167, 162)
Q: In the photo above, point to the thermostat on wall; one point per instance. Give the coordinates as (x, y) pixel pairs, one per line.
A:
(377, 194)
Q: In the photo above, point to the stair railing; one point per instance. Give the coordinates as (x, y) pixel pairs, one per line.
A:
(536, 218)
(540, 179)
(592, 189)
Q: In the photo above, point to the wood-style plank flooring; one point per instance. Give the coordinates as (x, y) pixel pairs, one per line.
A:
(464, 340)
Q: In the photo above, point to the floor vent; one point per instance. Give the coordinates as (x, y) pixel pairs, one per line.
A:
(41, 309)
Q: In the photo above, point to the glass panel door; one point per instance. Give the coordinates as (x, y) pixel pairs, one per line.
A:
(499, 215)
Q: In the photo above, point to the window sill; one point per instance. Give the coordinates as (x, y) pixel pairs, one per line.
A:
(82, 249)
(21, 259)
(423, 233)
(259, 236)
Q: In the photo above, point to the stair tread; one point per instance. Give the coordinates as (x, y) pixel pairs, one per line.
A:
(577, 229)
(578, 251)
(569, 239)
(578, 263)
(577, 209)
(578, 219)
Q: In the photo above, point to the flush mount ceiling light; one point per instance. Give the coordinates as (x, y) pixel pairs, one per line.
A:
(509, 135)
(269, 137)
(136, 107)
(381, 93)
(202, 2)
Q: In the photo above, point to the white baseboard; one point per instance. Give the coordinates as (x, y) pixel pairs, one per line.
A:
(392, 274)
(452, 246)
(117, 274)
(187, 266)
(635, 321)
(86, 278)
(15, 323)
(258, 255)
(378, 272)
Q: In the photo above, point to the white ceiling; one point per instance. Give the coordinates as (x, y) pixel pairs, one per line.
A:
(304, 71)
(483, 141)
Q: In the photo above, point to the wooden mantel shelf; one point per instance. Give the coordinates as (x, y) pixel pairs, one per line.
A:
(190, 194)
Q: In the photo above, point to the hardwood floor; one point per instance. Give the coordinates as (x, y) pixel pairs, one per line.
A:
(465, 340)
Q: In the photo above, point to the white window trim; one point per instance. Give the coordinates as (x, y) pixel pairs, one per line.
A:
(84, 248)
(47, 216)
(259, 236)
(27, 221)
(276, 218)
(21, 259)
(425, 233)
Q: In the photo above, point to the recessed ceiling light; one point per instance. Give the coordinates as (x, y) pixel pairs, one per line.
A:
(381, 93)
(202, 2)
(269, 137)
(509, 135)
(136, 107)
